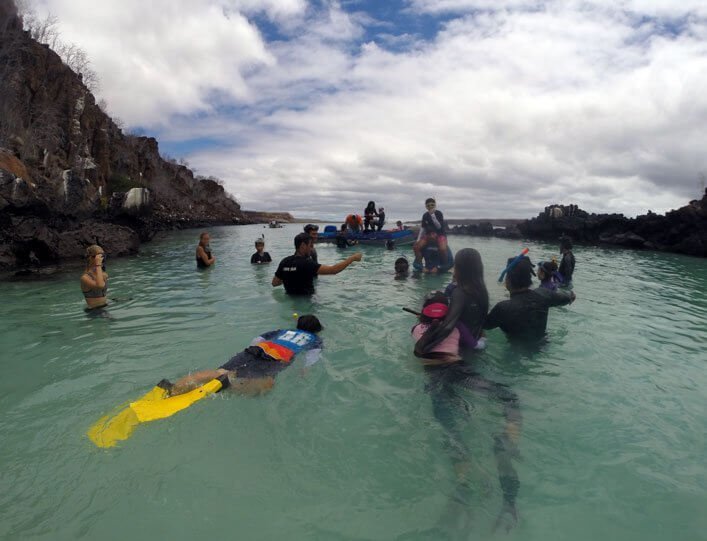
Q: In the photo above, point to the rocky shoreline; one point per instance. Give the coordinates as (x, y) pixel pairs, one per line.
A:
(70, 176)
(682, 231)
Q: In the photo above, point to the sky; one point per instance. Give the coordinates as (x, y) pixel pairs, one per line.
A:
(497, 109)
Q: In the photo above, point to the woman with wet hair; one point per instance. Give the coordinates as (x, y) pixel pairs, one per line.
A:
(94, 280)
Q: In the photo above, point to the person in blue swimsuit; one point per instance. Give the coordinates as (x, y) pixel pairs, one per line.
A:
(253, 370)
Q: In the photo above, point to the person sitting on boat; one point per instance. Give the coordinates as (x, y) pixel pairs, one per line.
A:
(297, 272)
(342, 238)
(313, 231)
(260, 256)
(204, 259)
(94, 280)
(432, 229)
(253, 370)
(381, 218)
(369, 215)
(354, 222)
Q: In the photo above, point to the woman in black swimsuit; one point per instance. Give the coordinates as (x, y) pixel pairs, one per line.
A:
(204, 259)
(94, 280)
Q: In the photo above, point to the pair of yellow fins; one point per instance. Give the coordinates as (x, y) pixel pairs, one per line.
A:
(157, 404)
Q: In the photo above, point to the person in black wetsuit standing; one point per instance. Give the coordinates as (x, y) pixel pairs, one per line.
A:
(260, 256)
(297, 272)
(567, 264)
(468, 307)
(524, 316)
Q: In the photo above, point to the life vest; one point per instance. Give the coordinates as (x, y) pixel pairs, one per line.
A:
(285, 345)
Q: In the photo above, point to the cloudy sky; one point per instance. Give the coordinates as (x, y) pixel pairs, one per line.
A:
(495, 108)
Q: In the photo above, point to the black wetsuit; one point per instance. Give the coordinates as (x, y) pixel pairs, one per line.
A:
(257, 257)
(524, 316)
(567, 267)
(381, 220)
(200, 262)
(429, 226)
(313, 256)
(297, 274)
(443, 386)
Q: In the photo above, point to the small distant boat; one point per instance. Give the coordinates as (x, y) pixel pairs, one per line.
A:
(376, 238)
(274, 224)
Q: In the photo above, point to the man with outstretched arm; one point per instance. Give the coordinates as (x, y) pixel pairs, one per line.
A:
(296, 272)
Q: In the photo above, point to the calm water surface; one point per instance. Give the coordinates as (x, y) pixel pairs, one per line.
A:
(614, 405)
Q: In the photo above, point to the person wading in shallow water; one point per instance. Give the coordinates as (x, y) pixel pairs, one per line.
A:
(94, 280)
(297, 272)
(204, 259)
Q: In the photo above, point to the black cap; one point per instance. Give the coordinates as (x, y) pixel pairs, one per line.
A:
(311, 227)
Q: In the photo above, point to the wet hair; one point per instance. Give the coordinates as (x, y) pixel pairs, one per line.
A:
(91, 252)
(548, 267)
(302, 238)
(371, 205)
(520, 276)
(401, 265)
(201, 237)
(565, 243)
(436, 297)
(430, 200)
(469, 273)
(309, 323)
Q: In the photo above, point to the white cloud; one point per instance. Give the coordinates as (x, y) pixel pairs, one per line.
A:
(500, 114)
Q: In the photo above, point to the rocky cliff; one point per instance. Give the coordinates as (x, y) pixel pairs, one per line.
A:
(70, 177)
(681, 231)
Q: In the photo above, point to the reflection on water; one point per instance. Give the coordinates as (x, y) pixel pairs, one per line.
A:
(613, 421)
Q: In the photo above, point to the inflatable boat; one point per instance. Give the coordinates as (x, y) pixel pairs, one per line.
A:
(379, 238)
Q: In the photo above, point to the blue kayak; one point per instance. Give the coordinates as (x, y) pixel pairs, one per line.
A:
(380, 238)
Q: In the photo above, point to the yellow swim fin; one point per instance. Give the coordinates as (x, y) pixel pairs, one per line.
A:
(156, 404)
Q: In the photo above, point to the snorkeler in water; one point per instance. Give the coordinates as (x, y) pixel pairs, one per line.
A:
(253, 370)
(447, 374)
(402, 268)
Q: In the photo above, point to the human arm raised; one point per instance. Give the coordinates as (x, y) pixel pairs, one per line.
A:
(338, 267)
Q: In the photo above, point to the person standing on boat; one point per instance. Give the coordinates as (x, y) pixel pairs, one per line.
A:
(94, 280)
(433, 228)
(368, 216)
(297, 272)
(313, 231)
(204, 259)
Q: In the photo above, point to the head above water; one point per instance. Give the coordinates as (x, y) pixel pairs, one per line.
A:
(401, 265)
(546, 269)
(260, 243)
(430, 203)
(469, 275)
(204, 238)
(520, 276)
(434, 307)
(302, 239)
(91, 253)
(309, 323)
(565, 243)
(309, 228)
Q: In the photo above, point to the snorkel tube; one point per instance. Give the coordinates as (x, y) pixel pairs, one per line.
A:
(513, 263)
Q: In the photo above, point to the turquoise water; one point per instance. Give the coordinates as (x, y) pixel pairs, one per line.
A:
(614, 405)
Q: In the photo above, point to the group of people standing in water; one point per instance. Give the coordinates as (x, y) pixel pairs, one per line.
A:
(451, 329)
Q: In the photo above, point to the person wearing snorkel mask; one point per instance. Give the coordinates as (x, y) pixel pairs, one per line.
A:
(524, 316)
